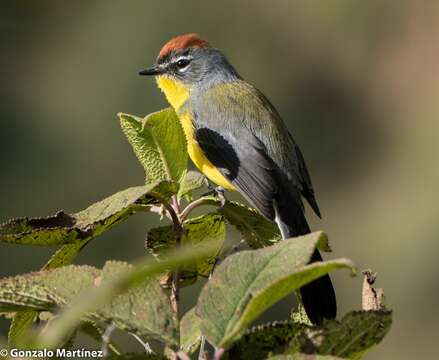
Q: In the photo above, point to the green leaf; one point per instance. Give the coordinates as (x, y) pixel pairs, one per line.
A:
(52, 230)
(199, 231)
(145, 310)
(254, 228)
(65, 255)
(63, 228)
(23, 320)
(159, 143)
(190, 332)
(192, 181)
(20, 326)
(260, 341)
(99, 297)
(349, 338)
(249, 282)
(114, 208)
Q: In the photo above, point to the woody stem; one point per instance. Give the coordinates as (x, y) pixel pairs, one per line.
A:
(174, 212)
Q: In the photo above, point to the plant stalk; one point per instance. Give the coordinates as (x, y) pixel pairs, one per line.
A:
(202, 345)
(194, 204)
(174, 211)
(218, 354)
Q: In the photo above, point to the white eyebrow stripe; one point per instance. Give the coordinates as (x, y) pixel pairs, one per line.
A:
(182, 58)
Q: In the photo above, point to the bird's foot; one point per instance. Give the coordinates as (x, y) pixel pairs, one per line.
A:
(217, 191)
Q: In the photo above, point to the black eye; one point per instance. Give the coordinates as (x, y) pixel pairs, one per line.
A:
(182, 63)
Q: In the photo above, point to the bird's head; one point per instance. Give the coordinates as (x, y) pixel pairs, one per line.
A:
(187, 62)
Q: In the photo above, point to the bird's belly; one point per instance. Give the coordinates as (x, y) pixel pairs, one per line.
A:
(199, 159)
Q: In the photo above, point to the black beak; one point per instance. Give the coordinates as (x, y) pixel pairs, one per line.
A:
(155, 70)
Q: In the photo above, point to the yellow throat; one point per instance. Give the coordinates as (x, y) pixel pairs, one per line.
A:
(175, 91)
(177, 94)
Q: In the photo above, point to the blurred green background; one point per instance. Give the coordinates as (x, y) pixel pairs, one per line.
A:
(356, 81)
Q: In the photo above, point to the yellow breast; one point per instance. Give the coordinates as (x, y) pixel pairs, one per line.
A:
(177, 93)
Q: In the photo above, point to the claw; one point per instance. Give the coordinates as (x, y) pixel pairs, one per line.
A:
(219, 192)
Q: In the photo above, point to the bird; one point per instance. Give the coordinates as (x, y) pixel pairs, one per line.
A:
(238, 140)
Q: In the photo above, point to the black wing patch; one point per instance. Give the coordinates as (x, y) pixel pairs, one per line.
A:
(245, 164)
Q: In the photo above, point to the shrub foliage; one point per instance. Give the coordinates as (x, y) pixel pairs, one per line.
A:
(246, 274)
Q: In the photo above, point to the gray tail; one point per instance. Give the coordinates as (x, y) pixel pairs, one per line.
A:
(318, 297)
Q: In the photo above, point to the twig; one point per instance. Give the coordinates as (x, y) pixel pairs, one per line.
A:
(372, 298)
(175, 221)
(145, 344)
(194, 204)
(203, 338)
(175, 204)
(174, 211)
(202, 345)
(218, 354)
(106, 339)
(175, 292)
(181, 355)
